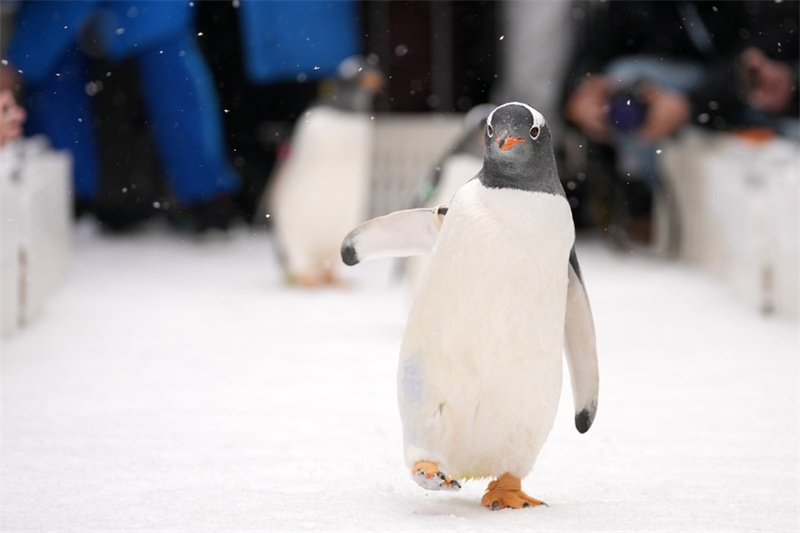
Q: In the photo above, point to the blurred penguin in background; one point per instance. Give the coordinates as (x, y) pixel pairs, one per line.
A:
(320, 189)
(457, 167)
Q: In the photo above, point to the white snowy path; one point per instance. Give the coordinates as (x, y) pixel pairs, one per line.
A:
(177, 386)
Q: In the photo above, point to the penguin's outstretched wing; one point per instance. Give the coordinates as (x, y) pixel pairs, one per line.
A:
(398, 234)
(581, 348)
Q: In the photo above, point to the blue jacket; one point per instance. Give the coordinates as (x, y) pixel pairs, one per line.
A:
(45, 30)
(284, 39)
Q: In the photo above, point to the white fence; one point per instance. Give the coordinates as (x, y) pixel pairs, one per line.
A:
(406, 149)
(738, 203)
(36, 226)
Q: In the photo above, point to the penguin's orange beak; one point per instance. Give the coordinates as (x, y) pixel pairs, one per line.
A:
(506, 143)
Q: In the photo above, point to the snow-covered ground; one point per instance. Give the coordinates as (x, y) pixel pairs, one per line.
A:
(174, 385)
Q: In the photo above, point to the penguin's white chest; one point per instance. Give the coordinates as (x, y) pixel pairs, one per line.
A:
(323, 186)
(480, 367)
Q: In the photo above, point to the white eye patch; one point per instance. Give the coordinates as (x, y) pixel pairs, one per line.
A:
(538, 119)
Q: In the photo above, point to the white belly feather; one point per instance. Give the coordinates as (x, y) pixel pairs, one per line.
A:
(479, 376)
(322, 189)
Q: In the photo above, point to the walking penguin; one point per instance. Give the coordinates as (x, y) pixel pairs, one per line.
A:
(479, 375)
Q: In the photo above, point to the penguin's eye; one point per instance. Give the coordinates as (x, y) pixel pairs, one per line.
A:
(534, 132)
(489, 130)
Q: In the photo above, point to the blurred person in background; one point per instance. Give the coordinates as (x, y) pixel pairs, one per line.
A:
(644, 70)
(50, 56)
(268, 59)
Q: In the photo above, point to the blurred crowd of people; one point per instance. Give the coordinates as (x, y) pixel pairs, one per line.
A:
(626, 75)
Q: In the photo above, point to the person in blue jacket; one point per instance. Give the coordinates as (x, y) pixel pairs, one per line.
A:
(51, 47)
(270, 59)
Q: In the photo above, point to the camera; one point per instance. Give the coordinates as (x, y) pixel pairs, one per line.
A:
(627, 110)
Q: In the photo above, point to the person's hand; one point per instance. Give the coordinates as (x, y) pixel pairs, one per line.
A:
(587, 108)
(12, 117)
(667, 111)
(770, 83)
(9, 78)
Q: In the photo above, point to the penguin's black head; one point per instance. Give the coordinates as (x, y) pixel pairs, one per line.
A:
(519, 150)
(359, 79)
(363, 72)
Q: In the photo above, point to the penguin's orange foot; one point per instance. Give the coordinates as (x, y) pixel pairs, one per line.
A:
(428, 476)
(329, 277)
(506, 491)
(306, 280)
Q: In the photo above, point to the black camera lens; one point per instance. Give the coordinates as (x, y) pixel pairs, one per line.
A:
(626, 112)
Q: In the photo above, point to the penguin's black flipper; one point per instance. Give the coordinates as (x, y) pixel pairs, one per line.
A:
(581, 348)
(399, 234)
